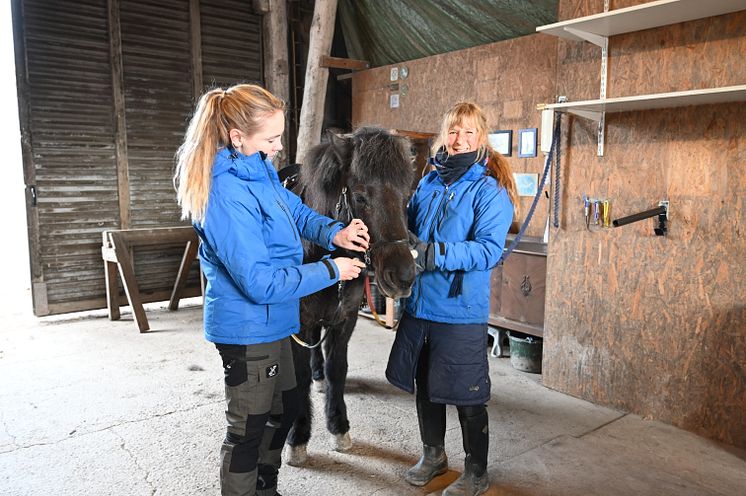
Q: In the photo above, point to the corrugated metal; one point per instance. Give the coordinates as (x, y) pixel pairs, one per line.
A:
(231, 43)
(71, 126)
(69, 102)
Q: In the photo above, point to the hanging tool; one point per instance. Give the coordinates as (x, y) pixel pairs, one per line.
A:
(587, 211)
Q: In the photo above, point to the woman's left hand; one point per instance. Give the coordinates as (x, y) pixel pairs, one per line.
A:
(353, 237)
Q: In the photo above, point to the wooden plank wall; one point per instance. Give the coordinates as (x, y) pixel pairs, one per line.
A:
(507, 79)
(106, 89)
(655, 325)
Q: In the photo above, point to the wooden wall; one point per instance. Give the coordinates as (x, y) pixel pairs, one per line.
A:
(495, 76)
(655, 325)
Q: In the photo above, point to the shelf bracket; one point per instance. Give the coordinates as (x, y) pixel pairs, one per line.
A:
(596, 39)
(588, 114)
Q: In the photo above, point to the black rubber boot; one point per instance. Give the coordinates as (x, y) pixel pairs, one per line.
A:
(471, 482)
(433, 462)
(475, 433)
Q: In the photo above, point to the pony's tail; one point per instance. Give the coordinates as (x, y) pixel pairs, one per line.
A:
(499, 168)
(206, 133)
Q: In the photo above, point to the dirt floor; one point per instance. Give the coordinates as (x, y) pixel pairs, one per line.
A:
(92, 407)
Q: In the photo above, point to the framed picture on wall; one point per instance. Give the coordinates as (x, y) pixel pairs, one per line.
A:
(527, 142)
(527, 184)
(502, 142)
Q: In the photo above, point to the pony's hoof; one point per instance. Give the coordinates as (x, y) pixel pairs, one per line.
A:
(319, 386)
(342, 442)
(296, 456)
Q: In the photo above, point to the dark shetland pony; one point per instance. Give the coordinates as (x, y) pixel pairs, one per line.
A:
(366, 175)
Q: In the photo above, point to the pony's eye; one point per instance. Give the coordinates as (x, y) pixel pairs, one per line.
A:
(359, 199)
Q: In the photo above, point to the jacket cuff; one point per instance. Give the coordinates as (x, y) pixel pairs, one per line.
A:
(439, 257)
(332, 268)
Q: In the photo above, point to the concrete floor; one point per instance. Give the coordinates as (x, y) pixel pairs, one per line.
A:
(91, 407)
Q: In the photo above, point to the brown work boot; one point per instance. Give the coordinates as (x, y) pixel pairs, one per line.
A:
(433, 462)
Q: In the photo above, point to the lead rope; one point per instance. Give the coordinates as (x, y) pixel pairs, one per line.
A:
(547, 163)
(557, 174)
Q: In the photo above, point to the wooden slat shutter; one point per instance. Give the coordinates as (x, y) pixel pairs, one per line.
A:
(106, 88)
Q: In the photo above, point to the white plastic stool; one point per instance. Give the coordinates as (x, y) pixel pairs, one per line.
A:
(498, 334)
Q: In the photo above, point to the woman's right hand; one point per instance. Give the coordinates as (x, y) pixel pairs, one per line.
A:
(349, 268)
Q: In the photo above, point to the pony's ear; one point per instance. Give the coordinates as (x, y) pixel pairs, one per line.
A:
(342, 146)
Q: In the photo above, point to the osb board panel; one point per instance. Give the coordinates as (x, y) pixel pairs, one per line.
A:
(656, 325)
(507, 79)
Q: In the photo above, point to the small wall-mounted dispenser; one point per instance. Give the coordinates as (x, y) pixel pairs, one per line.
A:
(661, 212)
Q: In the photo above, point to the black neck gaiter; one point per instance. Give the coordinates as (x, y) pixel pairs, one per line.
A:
(452, 167)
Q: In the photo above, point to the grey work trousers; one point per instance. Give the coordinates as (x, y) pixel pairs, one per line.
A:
(261, 405)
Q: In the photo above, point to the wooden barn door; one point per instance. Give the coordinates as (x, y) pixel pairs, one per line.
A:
(106, 88)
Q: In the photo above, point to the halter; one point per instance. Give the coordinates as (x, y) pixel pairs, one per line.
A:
(343, 213)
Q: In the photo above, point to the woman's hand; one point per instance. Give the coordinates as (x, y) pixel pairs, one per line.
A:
(353, 237)
(349, 268)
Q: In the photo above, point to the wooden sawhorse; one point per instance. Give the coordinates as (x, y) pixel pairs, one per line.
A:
(117, 258)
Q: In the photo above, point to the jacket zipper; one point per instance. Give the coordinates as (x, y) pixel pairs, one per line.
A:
(445, 209)
(430, 205)
(294, 228)
(280, 204)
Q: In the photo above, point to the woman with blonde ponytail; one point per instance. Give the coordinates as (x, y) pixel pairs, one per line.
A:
(250, 229)
(459, 217)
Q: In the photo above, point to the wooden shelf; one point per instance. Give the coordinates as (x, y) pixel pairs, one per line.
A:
(593, 109)
(595, 28)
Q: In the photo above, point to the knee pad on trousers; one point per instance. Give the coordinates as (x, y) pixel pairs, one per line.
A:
(244, 450)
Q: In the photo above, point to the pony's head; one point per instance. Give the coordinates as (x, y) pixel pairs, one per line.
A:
(368, 173)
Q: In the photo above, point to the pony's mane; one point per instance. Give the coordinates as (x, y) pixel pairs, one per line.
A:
(370, 155)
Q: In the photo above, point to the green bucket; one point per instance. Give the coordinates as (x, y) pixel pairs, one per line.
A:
(525, 352)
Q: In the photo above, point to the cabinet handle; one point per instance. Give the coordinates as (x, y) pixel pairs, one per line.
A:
(526, 286)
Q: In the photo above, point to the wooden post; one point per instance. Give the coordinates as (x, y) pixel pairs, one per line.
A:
(120, 121)
(195, 21)
(276, 61)
(314, 92)
(190, 255)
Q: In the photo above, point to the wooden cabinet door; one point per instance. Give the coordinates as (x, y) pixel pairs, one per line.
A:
(523, 288)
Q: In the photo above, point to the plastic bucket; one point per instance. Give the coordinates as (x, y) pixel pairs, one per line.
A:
(525, 352)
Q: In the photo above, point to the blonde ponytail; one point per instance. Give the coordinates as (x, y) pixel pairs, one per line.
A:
(218, 111)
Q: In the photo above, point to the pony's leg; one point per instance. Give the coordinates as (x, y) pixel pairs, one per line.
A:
(296, 454)
(336, 375)
(317, 364)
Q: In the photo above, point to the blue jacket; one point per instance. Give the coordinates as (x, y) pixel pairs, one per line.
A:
(468, 221)
(251, 252)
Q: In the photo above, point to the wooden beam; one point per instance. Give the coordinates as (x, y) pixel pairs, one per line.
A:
(314, 91)
(190, 255)
(39, 287)
(120, 121)
(414, 134)
(340, 63)
(127, 273)
(276, 59)
(195, 23)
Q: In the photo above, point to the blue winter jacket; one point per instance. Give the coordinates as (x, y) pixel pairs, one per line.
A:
(251, 252)
(467, 221)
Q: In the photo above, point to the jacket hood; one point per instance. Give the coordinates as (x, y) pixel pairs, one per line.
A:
(246, 167)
